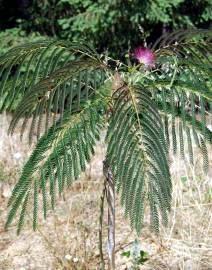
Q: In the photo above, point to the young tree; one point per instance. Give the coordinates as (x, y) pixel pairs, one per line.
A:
(73, 94)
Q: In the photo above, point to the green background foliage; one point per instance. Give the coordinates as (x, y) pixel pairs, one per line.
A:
(113, 25)
(14, 37)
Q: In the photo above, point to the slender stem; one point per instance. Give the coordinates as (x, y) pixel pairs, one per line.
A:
(102, 267)
(110, 194)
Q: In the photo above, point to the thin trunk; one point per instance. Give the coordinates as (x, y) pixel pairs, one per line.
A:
(102, 267)
(110, 193)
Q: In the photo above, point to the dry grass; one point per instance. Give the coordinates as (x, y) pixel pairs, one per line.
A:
(73, 229)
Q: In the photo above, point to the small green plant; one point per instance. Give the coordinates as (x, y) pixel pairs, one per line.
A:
(184, 179)
(136, 255)
(126, 254)
(72, 94)
(143, 257)
(208, 195)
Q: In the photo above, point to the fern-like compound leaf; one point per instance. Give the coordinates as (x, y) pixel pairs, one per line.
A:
(44, 73)
(137, 155)
(182, 90)
(59, 157)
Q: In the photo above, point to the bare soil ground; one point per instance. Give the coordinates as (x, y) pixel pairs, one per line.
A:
(68, 239)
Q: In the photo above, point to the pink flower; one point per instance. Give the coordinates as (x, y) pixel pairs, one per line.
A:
(145, 56)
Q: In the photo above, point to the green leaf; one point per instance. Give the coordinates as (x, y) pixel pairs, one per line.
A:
(126, 254)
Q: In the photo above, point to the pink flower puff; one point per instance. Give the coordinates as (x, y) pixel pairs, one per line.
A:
(145, 56)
